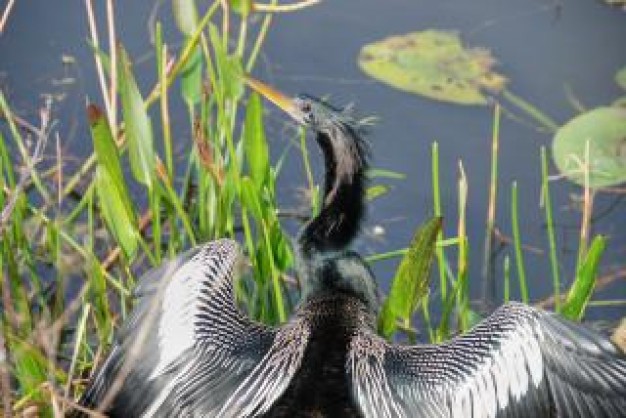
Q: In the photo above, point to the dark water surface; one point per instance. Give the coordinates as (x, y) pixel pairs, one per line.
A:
(544, 47)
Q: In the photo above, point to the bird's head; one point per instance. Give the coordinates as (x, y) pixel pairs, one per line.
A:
(306, 110)
(338, 134)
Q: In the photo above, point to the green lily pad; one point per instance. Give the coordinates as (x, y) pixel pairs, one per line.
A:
(620, 78)
(434, 64)
(604, 129)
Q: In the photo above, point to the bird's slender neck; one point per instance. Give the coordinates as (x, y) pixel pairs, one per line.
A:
(343, 207)
(326, 266)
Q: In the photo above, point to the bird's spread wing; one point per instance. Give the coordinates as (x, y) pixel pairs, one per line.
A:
(519, 362)
(187, 350)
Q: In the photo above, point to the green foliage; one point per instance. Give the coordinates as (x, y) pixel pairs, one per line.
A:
(243, 7)
(191, 77)
(250, 197)
(547, 204)
(410, 284)
(212, 200)
(229, 71)
(255, 144)
(137, 125)
(120, 222)
(115, 203)
(517, 244)
(593, 143)
(191, 72)
(31, 367)
(581, 290)
(434, 64)
(98, 296)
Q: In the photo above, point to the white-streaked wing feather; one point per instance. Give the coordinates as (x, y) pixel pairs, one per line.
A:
(272, 375)
(518, 362)
(198, 349)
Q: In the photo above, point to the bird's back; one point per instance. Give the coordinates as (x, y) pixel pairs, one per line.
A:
(320, 387)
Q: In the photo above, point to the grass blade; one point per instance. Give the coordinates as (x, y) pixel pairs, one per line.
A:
(517, 243)
(229, 68)
(441, 260)
(138, 126)
(547, 203)
(544, 120)
(255, 144)
(581, 290)
(488, 274)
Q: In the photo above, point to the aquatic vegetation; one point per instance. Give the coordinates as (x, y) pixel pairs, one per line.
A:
(434, 64)
(410, 285)
(591, 148)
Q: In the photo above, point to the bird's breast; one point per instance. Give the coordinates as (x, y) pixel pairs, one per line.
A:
(320, 387)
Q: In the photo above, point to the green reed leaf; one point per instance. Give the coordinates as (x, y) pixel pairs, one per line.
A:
(138, 127)
(410, 284)
(581, 290)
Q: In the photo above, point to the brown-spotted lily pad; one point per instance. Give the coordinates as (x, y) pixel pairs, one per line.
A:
(434, 64)
(604, 129)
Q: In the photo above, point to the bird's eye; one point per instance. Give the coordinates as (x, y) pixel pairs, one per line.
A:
(306, 107)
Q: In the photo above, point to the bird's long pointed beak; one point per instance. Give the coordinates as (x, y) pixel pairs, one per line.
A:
(279, 99)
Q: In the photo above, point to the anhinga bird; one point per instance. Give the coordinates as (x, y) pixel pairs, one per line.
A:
(187, 351)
